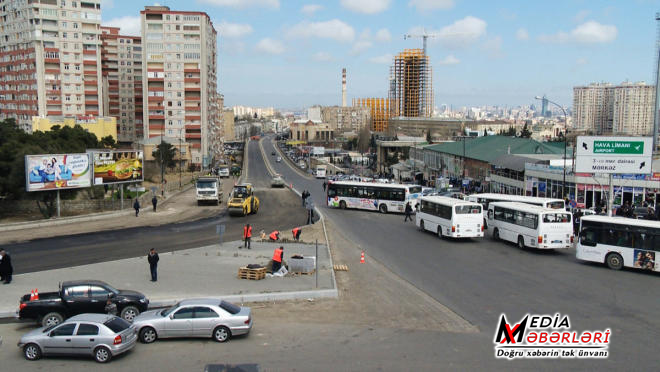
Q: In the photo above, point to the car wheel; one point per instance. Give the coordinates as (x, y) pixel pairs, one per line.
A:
(32, 352)
(496, 234)
(342, 205)
(382, 208)
(129, 313)
(51, 319)
(521, 242)
(148, 335)
(421, 225)
(221, 334)
(102, 354)
(614, 261)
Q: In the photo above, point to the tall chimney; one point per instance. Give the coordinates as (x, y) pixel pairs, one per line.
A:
(343, 87)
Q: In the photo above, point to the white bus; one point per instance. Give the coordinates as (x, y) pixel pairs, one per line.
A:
(486, 199)
(619, 242)
(450, 217)
(319, 172)
(530, 225)
(372, 196)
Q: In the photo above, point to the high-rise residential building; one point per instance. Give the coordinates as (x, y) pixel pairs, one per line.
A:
(625, 109)
(380, 110)
(411, 84)
(179, 77)
(121, 64)
(49, 59)
(346, 118)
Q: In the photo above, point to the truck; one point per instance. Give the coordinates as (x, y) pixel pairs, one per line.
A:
(209, 189)
(319, 171)
(242, 200)
(78, 297)
(223, 171)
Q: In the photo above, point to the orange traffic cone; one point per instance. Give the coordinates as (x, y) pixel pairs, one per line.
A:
(36, 294)
(362, 257)
(32, 295)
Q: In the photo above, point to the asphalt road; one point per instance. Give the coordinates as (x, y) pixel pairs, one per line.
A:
(481, 279)
(279, 209)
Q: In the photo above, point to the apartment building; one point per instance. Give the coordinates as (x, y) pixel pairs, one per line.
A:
(624, 109)
(346, 119)
(179, 77)
(121, 65)
(49, 59)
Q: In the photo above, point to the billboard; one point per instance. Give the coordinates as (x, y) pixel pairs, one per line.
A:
(627, 155)
(118, 166)
(57, 172)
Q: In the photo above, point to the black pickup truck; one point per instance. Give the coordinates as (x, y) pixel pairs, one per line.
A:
(78, 297)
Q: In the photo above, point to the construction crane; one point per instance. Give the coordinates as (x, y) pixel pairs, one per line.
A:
(424, 35)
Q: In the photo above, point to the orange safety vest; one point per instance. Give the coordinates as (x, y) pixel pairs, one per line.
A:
(247, 232)
(273, 235)
(295, 230)
(277, 255)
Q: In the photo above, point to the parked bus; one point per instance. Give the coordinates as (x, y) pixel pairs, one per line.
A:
(319, 171)
(450, 217)
(530, 225)
(372, 196)
(486, 199)
(619, 242)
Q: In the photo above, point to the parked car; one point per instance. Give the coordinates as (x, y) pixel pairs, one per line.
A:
(277, 181)
(217, 319)
(101, 336)
(642, 213)
(78, 297)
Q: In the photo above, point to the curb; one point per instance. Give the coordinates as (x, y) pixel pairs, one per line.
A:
(294, 167)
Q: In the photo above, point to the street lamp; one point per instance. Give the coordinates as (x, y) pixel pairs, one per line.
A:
(565, 139)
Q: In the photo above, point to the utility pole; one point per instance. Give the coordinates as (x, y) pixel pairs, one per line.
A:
(180, 157)
(162, 170)
(656, 108)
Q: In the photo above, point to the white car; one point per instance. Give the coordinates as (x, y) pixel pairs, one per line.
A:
(278, 159)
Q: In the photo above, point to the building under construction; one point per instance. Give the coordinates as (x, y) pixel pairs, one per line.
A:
(381, 111)
(411, 84)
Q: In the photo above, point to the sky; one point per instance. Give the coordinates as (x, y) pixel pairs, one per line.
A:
(289, 54)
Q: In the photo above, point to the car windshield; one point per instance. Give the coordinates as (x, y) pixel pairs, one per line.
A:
(117, 325)
(240, 191)
(415, 189)
(205, 184)
(111, 289)
(169, 311)
(229, 307)
(47, 329)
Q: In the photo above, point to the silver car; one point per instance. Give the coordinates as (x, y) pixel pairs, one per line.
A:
(217, 319)
(277, 181)
(102, 336)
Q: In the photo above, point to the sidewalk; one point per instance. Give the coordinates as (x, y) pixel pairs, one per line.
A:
(181, 206)
(209, 271)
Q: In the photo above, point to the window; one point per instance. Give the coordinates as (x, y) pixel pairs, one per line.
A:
(229, 307)
(468, 209)
(205, 312)
(97, 291)
(556, 218)
(185, 313)
(64, 330)
(87, 330)
(77, 291)
(117, 325)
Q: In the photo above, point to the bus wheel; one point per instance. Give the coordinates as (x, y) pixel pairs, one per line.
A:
(496, 234)
(342, 205)
(521, 242)
(614, 261)
(382, 208)
(421, 225)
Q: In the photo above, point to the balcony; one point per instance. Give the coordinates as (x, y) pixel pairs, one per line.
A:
(156, 99)
(194, 135)
(156, 117)
(94, 112)
(89, 63)
(54, 101)
(52, 70)
(156, 126)
(92, 102)
(192, 118)
(52, 60)
(193, 98)
(89, 72)
(91, 83)
(54, 112)
(191, 70)
(193, 126)
(196, 145)
(191, 80)
(192, 89)
(89, 52)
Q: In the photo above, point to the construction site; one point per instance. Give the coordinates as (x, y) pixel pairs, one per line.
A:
(411, 81)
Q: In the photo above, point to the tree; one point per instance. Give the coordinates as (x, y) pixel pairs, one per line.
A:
(526, 133)
(363, 139)
(108, 142)
(428, 137)
(169, 152)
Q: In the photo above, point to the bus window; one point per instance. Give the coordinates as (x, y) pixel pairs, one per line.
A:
(332, 192)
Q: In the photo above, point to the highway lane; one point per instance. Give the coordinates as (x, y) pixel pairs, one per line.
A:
(480, 279)
(279, 209)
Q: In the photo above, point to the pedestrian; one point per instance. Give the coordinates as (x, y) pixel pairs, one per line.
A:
(278, 256)
(154, 201)
(408, 212)
(310, 216)
(153, 264)
(296, 233)
(274, 236)
(136, 205)
(247, 236)
(324, 184)
(6, 270)
(110, 307)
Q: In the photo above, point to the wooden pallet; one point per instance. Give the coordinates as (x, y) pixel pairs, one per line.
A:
(251, 274)
(302, 273)
(341, 268)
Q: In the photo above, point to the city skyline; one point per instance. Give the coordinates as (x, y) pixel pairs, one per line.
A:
(290, 54)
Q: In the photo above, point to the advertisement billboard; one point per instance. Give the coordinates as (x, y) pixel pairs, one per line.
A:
(57, 172)
(118, 167)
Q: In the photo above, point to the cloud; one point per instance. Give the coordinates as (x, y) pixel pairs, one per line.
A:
(424, 5)
(590, 32)
(366, 6)
(383, 35)
(234, 30)
(581, 61)
(384, 59)
(273, 4)
(270, 46)
(129, 25)
(522, 34)
(581, 16)
(333, 29)
(361, 46)
(459, 34)
(449, 60)
(322, 57)
(310, 9)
